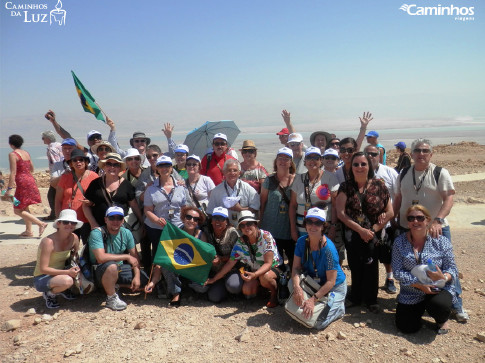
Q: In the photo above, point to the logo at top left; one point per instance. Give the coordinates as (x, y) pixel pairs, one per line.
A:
(38, 13)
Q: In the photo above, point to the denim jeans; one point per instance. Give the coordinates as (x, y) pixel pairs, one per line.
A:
(458, 305)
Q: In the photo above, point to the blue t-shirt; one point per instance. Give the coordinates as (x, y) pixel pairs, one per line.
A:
(116, 245)
(326, 259)
(383, 155)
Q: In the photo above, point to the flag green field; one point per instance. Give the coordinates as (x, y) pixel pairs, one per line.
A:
(87, 101)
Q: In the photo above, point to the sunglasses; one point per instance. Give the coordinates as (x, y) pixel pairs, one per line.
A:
(218, 218)
(416, 218)
(421, 151)
(348, 150)
(68, 222)
(310, 222)
(114, 165)
(336, 143)
(149, 157)
(94, 137)
(312, 157)
(104, 148)
(220, 143)
(189, 218)
(190, 165)
(371, 154)
(330, 157)
(248, 151)
(115, 218)
(164, 165)
(77, 160)
(294, 144)
(246, 224)
(356, 165)
(139, 141)
(137, 158)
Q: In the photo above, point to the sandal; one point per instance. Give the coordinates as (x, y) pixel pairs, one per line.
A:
(26, 234)
(42, 229)
(271, 304)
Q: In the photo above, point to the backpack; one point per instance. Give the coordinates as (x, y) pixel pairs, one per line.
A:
(436, 173)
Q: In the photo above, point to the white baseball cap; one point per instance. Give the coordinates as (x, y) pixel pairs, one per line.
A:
(164, 160)
(94, 132)
(219, 136)
(194, 157)
(220, 211)
(285, 151)
(115, 211)
(313, 150)
(181, 148)
(295, 137)
(332, 152)
(130, 153)
(316, 213)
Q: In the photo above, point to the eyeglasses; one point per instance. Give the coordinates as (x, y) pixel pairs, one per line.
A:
(220, 143)
(416, 218)
(312, 157)
(218, 218)
(69, 222)
(77, 160)
(137, 158)
(294, 144)
(189, 218)
(356, 165)
(249, 151)
(421, 151)
(94, 137)
(310, 222)
(103, 148)
(336, 143)
(330, 157)
(371, 154)
(348, 150)
(246, 224)
(116, 218)
(114, 165)
(138, 141)
(190, 165)
(284, 157)
(154, 155)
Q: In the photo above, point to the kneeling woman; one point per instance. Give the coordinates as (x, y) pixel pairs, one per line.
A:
(415, 248)
(50, 278)
(316, 256)
(257, 250)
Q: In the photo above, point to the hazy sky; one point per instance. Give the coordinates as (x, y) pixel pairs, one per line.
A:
(149, 62)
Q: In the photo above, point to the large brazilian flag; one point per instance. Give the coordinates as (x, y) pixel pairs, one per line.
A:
(87, 101)
(184, 254)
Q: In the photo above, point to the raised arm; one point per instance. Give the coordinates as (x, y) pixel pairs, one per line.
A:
(287, 119)
(364, 121)
(51, 116)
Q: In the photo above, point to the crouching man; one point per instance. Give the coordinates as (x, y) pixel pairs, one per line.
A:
(114, 256)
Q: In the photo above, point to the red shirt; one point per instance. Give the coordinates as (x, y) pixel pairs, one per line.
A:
(214, 170)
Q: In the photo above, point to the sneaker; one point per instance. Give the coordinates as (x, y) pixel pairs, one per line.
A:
(115, 303)
(50, 300)
(68, 295)
(389, 286)
(461, 316)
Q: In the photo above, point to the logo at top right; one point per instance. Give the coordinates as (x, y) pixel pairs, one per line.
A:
(458, 13)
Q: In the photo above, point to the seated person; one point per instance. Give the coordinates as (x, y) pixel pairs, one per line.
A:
(112, 250)
(50, 277)
(256, 250)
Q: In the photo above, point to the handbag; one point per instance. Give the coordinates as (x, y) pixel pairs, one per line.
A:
(309, 287)
(81, 285)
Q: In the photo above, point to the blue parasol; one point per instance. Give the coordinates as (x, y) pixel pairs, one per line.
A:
(200, 139)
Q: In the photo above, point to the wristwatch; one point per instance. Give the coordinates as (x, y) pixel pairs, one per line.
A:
(440, 220)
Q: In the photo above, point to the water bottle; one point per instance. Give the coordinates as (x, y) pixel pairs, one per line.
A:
(86, 270)
(431, 265)
(330, 300)
(14, 200)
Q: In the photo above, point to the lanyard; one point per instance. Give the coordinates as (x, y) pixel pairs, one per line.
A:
(169, 196)
(308, 191)
(417, 188)
(310, 254)
(236, 189)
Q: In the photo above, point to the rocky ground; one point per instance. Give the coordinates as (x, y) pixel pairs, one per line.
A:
(237, 329)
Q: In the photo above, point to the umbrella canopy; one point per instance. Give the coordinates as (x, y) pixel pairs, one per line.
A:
(200, 139)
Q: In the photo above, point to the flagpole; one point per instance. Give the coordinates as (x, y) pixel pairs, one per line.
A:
(104, 113)
(149, 279)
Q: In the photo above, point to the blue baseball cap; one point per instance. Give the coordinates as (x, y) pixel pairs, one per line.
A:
(220, 211)
(401, 145)
(315, 213)
(372, 134)
(71, 142)
(181, 148)
(164, 160)
(115, 211)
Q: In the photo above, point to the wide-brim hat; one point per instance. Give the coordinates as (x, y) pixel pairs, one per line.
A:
(69, 215)
(78, 153)
(131, 152)
(139, 135)
(112, 156)
(102, 143)
(249, 145)
(328, 137)
(246, 216)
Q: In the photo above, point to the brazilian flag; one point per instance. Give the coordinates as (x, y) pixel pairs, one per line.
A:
(87, 101)
(184, 254)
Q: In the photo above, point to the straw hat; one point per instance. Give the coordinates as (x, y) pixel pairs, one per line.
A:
(102, 143)
(112, 156)
(248, 144)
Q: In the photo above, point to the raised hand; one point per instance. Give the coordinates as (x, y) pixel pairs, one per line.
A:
(365, 119)
(167, 130)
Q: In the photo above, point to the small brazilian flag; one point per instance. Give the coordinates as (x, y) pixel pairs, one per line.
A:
(184, 254)
(87, 101)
